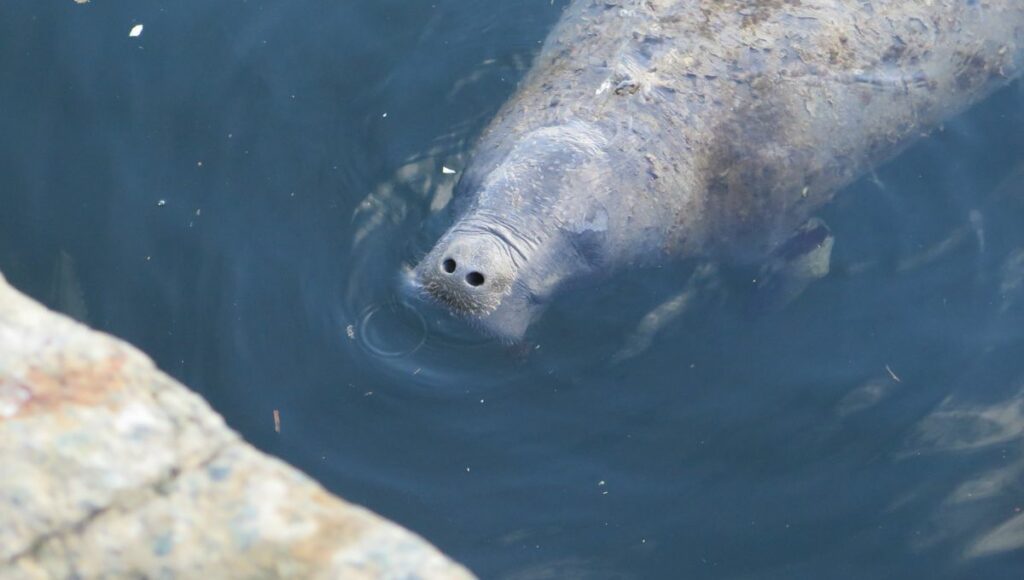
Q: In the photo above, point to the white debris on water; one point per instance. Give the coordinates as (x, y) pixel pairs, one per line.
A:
(447, 170)
(136, 31)
(350, 331)
(161, 202)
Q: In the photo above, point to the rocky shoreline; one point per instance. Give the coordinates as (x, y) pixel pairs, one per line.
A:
(113, 469)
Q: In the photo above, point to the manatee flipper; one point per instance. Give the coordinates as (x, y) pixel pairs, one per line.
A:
(804, 258)
(705, 279)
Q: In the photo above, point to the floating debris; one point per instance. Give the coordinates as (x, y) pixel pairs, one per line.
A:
(277, 421)
(892, 374)
(136, 31)
(161, 202)
(447, 170)
(350, 331)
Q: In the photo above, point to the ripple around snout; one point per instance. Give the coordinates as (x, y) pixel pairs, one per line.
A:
(432, 353)
(391, 330)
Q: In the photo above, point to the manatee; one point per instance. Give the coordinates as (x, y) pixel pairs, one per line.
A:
(650, 131)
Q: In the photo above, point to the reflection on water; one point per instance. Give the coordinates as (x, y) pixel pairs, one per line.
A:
(871, 393)
(1011, 285)
(959, 427)
(654, 426)
(984, 505)
(66, 290)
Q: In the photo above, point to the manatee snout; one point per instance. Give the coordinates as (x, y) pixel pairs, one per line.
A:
(468, 273)
(508, 251)
(496, 285)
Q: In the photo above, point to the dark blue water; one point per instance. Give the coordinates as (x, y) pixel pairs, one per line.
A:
(237, 191)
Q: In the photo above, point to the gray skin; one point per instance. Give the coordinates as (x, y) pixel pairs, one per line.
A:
(657, 130)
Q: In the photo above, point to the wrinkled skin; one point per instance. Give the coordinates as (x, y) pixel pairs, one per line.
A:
(656, 130)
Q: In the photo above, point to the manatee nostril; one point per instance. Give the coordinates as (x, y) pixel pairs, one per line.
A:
(448, 265)
(474, 278)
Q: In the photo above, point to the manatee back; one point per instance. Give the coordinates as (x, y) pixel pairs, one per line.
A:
(727, 123)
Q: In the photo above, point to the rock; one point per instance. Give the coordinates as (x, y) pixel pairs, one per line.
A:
(111, 468)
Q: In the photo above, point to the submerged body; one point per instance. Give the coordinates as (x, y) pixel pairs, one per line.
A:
(651, 130)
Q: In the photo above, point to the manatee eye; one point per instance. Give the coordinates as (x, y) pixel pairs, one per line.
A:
(474, 278)
(448, 265)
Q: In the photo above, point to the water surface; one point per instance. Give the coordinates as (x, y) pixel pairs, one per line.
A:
(237, 191)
